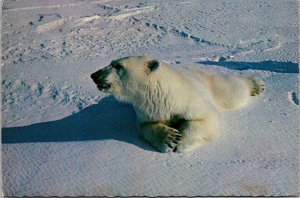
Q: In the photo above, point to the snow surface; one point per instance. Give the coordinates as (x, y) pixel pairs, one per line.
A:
(61, 136)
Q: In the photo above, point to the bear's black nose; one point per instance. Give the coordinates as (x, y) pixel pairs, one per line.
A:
(94, 77)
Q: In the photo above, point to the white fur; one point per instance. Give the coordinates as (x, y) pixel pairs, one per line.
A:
(166, 97)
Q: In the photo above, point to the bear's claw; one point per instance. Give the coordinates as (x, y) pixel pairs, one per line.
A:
(173, 139)
(257, 87)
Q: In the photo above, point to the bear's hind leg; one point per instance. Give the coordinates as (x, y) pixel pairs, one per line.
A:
(162, 137)
(196, 132)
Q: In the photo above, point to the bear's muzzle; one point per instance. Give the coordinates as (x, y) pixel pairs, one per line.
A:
(99, 79)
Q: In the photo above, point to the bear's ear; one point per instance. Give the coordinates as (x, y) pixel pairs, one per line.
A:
(153, 65)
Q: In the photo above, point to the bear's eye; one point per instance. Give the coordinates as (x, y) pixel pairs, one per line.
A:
(117, 66)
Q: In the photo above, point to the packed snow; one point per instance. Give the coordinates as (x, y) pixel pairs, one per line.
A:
(62, 137)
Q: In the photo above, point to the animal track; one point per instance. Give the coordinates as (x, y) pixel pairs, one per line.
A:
(182, 34)
(258, 44)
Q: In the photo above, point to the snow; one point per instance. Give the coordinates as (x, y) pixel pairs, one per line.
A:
(62, 137)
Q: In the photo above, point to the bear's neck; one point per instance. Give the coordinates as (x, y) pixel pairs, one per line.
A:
(153, 103)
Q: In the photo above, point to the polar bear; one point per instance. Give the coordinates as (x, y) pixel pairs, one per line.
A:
(176, 109)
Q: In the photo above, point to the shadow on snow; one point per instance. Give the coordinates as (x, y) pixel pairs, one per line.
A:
(109, 119)
(273, 66)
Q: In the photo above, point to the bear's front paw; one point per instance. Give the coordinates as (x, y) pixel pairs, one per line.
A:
(172, 140)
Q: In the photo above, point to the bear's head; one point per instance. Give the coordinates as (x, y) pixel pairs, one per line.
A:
(127, 76)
